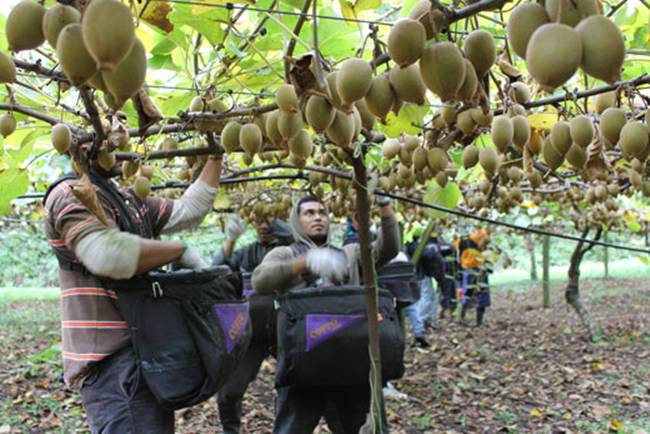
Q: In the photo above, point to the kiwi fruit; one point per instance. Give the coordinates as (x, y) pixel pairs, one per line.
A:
(353, 81)
(76, 62)
(97, 80)
(553, 54)
(301, 145)
(611, 122)
(408, 85)
(433, 20)
(470, 156)
(465, 122)
(142, 187)
(230, 136)
(633, 140)
(405, 156)
(480, 50)
(448, 114)
(406, 41)
(581, 130)
(604, 101)
(61, 137)
(146, 171)
(576, 156)
(441, 178)
(286, 98)
(470, 85)
(24, 26)
(380, 97)
(521, 131)
(420, 158)
(168, 144)
(634, 177)
(489, 160)
(7, 69)
(106, 160)
(561, 137)
(289, 124)
(130, 168)
(502, 132)
(272, 131)
(197, 104)
(56, 18)
(437, 159)
(482, 119)
(319, 113)
(366, 117)
(108, 32)
(7, 124)
(341, 132)
(563, 11)
(515, 174)
(390, 148)
(334, 97)
(519, 92)
(551, 156)
(522, 23)
(127, 78)
(250, 138)
(443, 69)
(516, 110)
(534, 179)
(410, 142)
(603, 48)
(247, 159)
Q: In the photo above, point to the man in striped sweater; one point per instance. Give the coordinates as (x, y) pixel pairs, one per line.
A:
(98, 358)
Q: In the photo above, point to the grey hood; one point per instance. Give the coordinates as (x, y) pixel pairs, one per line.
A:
(298, 232)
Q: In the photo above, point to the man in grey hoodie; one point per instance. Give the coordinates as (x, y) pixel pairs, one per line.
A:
(308, 262)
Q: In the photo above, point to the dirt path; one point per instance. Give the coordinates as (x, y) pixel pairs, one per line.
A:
(526, 370)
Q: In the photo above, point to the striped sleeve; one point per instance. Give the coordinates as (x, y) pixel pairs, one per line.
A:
(69, 218)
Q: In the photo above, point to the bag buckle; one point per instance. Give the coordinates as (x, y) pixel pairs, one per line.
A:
(156, 289)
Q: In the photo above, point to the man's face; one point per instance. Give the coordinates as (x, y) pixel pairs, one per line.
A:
(263, 234)
(314, 220)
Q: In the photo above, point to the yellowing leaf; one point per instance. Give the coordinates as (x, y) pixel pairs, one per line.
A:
(156, 14)
(543, 121)
(535, 413)
(347, 9)
(615, 425)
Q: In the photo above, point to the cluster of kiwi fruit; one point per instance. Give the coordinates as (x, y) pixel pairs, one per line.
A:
(265, 209)
(100, 50)
(556, 37)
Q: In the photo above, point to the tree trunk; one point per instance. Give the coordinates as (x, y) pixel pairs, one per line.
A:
(572, 291)
(530, 245)
(369, 282)
(546, 284)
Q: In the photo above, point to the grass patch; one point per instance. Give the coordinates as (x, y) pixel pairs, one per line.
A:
(10, 294)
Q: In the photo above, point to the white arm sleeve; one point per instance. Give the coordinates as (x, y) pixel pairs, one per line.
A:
(190, 210)
(109, 253)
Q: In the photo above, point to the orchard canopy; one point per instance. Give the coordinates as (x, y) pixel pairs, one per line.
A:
(533, 109)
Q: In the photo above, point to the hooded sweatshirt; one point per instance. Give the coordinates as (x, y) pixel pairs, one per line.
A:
(275, 274)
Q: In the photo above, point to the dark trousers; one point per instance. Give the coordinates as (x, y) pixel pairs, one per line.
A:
(117, 400)
(299, 409)
(231, 394)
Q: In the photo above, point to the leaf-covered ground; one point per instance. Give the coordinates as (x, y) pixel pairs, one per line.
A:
(527, 370)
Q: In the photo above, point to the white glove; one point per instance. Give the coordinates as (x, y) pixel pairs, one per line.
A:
(329, 264)
(191, 259)
(235, 227)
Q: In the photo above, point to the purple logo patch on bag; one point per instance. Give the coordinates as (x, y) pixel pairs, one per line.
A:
(248, 293)
(233, 319)
(321, 327)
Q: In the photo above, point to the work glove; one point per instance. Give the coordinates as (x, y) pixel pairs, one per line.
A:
(383, 201)
(190, 259)
(235, 227)
(329, 264)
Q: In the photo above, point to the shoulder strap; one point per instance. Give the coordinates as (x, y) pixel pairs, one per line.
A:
(66, 177)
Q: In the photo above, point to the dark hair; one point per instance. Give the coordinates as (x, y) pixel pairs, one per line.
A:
(307, 199)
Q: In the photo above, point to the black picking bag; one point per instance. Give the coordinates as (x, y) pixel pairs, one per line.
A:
(264, 317)
(323, 338)
(399, 279)
(189, 329)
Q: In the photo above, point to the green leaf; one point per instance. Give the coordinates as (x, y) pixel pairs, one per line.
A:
(447, 197)
(361, 5)
(410, 118)
(13, 183)
(207, 23)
